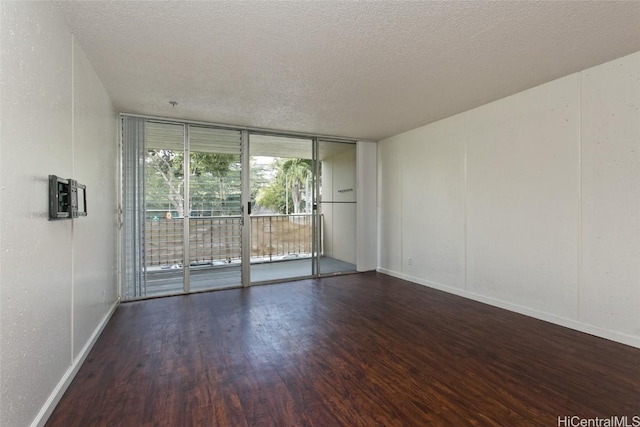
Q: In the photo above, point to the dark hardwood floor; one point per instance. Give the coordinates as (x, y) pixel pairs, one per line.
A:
(357, 350)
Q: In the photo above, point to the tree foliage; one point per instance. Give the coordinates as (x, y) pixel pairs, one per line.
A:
(165, 178)
(284, 186)
(290, 188)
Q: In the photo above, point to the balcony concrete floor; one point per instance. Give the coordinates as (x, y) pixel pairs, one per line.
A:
(168, 282)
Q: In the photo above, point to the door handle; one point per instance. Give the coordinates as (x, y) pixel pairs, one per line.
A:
(248, 208)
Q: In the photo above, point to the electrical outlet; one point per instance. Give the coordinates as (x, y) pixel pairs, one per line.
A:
(409, 261)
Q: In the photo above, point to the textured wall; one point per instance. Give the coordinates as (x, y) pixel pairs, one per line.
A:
(522, 198)
(610, 196)
(366, 70)
(432, 205)
(36, 254)
(530, 203)
(94, 164)
(46, 275)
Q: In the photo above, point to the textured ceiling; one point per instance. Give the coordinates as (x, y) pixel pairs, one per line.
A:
(354, 69)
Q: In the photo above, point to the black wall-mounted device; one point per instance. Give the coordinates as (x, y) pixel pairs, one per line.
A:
(67, 198)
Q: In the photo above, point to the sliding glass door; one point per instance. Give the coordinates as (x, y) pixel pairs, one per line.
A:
(182, 208)
(282, 193)
(303, 221)
(164, 205)
(187, 226)
(215, 208)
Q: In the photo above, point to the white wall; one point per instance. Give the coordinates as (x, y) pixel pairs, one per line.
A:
(56, 119)
(530, 203)
(609, 295)
(432, 204)
(367, 205)
(94, 237)
(522, 198)
(390, 156)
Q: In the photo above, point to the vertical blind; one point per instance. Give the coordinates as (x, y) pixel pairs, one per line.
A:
(153, 156)
(133, 154)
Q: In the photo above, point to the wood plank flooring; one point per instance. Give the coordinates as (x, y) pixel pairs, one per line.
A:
(356, 350)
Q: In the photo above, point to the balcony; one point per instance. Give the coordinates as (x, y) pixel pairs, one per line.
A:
(281, 247)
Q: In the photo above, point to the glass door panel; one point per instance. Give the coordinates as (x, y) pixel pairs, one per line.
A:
(164, 208)
(185, 187)
(282, 207)
(337, 190)
(215, 216)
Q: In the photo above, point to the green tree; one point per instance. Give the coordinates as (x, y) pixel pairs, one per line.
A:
(165, 177)
(297, 174)
(214, 180)
(292, 178)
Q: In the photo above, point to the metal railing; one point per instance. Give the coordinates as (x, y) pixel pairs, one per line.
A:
(217, 240)
(163, 242)
(281, 236)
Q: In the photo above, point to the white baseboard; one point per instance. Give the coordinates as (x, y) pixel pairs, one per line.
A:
(63, 384)
(540, 315)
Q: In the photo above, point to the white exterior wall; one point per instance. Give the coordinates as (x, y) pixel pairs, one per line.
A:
(530, 203)
(339, 225)
(350, 229)
(57, 278)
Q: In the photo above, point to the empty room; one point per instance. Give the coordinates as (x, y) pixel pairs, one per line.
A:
(319, 213)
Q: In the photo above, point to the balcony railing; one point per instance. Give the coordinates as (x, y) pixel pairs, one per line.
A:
(217, 240)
